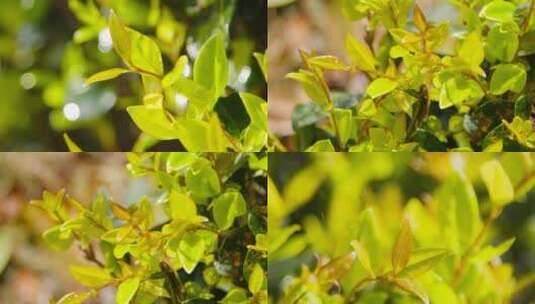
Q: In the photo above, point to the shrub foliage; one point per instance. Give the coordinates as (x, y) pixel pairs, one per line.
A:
(381, 237)
(199, 240)
(463, 84)
(173, 105)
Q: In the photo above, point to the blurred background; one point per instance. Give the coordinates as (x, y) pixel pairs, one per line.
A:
(47, 50)
(335, 188)
(30, 271)
(319, 26)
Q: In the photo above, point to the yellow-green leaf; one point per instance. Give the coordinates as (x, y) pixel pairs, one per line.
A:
(498, 184)
(323, 145)
(262, 62)
(367, 108)
(343, 123)
(423, 266)
(120, 37)
(312, 86)
(419, 19)
(498, 10)
(380, 87)
(256, 108)
(363, 257)
(508, 77)
(471, 50)
(71, 145)
(327, 62)
(75, 297)
(126, 290)
(106, 75)
(211, 68)
(91, 276)
(181, 206)
(177, 72)
(401, 252)
(153, 121)
(360, 54)
(256, 279)
(490, 252)
(146, 55)
(227, 207)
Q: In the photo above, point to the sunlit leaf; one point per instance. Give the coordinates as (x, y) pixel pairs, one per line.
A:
(498, 184)
(401, 252)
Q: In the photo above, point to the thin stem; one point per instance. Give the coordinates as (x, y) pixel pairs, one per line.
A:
(529, 16)
(277, 143)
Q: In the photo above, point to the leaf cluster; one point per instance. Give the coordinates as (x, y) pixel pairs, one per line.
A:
(200, 239)
(463, 85)
(373, 244)
(176, 107)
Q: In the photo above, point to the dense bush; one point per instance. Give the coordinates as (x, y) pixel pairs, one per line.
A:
(199, 240)
(460, 84)
(49, 48)
(401, 228)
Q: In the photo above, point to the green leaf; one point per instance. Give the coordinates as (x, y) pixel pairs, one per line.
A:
(256, 279)
(302, 187)
(153, 121)
(120, 37)
(508, 77)
(136, 50)
(423, 266)
(126, 290)
(367, 108)
(498, 184)
(412, 288)
(106, 75)
(58, 239)
(466, 209)
(360, 54)
(181, 206)
(91, 276)
(323, 145)
(498, 10)
(227, 207)
(202, 180)
(277, 239)
(363, 257)
(401, 252)
(262, 62)
(75, 297)
(176, 73)
(256, 108)
(71, 145)
(211, 68)
(501, 45)
(471, 50)
(236, 296)
(419, 19)
(312, 86)
(190, 251)
(197, 135)
(146, 56)
(327, 62)
(380, 87)
(180, 161)
(490, 252)
(344, 123)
